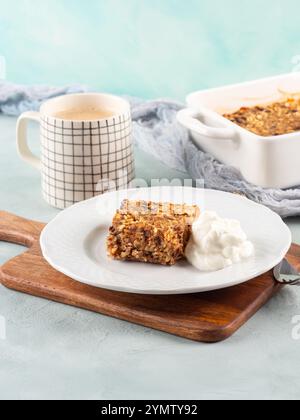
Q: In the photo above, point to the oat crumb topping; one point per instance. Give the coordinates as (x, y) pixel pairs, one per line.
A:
(272, 120)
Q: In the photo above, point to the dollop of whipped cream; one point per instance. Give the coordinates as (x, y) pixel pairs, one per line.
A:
(217, 243)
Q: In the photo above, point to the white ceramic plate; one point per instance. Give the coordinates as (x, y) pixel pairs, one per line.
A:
(74, 243)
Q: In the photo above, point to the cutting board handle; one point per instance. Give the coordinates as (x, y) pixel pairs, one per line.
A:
(18, 230)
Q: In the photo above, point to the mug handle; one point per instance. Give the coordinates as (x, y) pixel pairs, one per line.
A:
(189, 119)
(22, 144)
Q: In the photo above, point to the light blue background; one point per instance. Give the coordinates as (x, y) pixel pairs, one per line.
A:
(150, 48)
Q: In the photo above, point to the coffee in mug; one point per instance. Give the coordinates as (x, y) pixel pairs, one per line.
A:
(86, 146)
(88, 114)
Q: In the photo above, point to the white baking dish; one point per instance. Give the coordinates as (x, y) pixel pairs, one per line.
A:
(270, 162)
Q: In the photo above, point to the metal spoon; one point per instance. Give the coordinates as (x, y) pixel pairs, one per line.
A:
(285, 273)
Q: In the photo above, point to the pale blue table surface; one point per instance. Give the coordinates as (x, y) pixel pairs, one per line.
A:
(54, 351)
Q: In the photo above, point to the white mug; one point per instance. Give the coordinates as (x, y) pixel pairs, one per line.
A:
(80, 159)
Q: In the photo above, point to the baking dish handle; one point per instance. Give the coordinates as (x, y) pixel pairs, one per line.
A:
(189, 118)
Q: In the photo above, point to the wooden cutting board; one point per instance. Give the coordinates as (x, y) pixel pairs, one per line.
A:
(205, 317)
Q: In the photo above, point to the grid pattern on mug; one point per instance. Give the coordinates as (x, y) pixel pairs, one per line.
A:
(81, 160)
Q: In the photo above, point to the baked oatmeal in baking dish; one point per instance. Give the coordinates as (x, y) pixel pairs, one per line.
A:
(275, 119)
